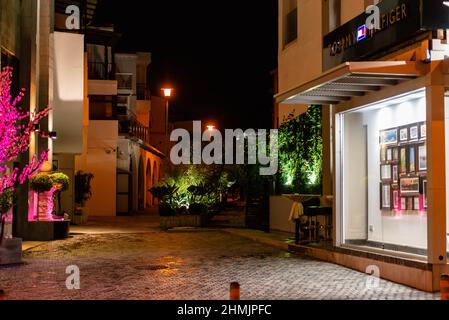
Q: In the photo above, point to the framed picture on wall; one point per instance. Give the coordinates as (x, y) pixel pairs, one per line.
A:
(388, 137)
(383, 154)
(403, 203)
(409, 186)
(385, 173)
(416, 203)
(389, 154)
(386, 195)
(395, 154)
(423, 131)
(395, 199)
(395, 174)
(414, 133)
(403, 134)
(422, 158)
(403, 160)
(424, 192)
(411, 159)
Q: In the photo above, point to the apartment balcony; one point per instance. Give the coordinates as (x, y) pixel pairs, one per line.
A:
(101, 79)
(125, 83)
(132, 128)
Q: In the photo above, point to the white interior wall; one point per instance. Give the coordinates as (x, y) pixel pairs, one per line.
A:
(354, 179)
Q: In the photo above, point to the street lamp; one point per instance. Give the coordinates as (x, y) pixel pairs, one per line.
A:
(167, 93)
(210, 127)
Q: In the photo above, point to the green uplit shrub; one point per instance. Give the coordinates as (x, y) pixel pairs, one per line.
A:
(41, 182)
(301, 153)
(60, 181)
(6, 201)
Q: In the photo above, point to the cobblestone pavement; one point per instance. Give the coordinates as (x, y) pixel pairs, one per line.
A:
(183, 265)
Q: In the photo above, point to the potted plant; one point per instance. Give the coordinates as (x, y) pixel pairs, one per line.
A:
(83, 193)
(198, 204)
(61, 183)
(6, 204)
(165, 195)
(42, 184)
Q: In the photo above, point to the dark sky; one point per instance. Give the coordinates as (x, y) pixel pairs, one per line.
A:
(216, 54)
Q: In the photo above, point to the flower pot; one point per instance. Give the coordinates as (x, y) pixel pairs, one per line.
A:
(45, 206)
(7, 231)
(80, 216)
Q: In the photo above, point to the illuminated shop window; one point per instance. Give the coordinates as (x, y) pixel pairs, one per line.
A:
(383, 167)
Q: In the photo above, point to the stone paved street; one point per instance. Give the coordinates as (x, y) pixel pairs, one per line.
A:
(183, 265)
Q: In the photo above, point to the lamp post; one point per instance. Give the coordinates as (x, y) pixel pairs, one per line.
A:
(167, 92)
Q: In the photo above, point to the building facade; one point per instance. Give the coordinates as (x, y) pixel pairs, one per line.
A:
(383, 92)
(100, 108)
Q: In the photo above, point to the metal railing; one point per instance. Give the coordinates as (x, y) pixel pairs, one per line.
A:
(101, 71)
(124, 81)
(133, 128)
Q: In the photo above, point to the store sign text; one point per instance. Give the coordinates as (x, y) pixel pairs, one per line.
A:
(374, 23)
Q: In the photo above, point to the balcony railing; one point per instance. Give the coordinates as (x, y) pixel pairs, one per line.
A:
(101, 71)
(124, 81)
(133, 128)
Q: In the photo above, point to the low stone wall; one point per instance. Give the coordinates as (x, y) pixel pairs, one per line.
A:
(180, 221)
(11, 251)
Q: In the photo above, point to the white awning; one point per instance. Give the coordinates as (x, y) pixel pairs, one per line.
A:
(351, 79)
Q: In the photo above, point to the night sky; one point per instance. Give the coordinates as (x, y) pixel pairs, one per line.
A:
(216, 54)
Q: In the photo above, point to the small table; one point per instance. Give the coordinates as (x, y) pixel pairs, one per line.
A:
(313, 226)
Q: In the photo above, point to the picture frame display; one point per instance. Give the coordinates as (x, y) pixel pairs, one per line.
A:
(424, 183)
(403, 183)
(389, 154)
(386, 172)
(409, 186)
(395, 174)
(423, 131)
(403, 134)
(395, 199)
(411, 159)
(389, 137)
(386, 195)
(414, 133)
(403, 160)
(422, 158)
(403, 203)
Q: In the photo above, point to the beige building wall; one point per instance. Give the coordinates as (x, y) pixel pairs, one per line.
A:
(102, 163)
(307, 47)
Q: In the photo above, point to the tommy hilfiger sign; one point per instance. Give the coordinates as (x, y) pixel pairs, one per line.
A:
(381, 28)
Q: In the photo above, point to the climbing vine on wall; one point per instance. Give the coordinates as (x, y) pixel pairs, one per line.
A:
(301, 153)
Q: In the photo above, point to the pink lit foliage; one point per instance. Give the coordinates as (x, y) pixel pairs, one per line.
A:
(16, 127)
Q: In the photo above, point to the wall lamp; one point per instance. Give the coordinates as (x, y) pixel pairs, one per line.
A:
(53, 135)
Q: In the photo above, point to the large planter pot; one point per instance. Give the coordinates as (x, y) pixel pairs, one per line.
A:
(7, 231)
(166, 210)
(45, 206)
(80, 216)
(180, 221)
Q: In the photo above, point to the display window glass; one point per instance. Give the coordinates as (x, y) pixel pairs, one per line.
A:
(446, 100)
(383, 170)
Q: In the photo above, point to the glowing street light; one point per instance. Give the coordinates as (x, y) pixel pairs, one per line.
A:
(210, 127)
(167, 93)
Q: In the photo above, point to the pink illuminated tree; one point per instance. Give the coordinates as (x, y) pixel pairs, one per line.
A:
(16, 128)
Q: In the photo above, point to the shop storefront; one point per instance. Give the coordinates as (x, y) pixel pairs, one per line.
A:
(389, 96)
